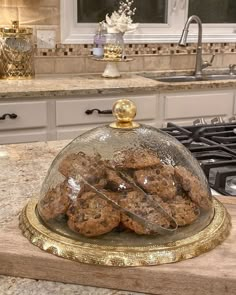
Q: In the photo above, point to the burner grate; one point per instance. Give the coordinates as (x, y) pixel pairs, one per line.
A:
(214, 146)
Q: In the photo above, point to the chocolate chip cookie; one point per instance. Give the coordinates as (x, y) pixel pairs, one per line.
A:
(159, 180)
(91, 168)
(56, 201)
(115, 182)
(183, 210)
(137, 203)
(135, 159)
(193, 188)
(92, 216)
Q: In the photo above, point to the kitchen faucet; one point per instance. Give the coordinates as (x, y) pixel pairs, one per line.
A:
(200, 64)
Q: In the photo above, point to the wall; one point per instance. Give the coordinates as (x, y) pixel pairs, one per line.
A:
(45, 14)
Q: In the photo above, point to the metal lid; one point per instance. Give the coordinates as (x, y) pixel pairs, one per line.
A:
(15, 30)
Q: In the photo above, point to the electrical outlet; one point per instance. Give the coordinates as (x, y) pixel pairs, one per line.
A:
(46, 38)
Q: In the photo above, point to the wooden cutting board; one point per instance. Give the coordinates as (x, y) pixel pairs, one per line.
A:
(213, 273)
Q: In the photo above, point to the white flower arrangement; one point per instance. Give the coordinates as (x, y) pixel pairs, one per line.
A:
(121, 21)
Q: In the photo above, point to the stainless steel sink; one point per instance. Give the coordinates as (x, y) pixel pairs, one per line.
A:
(194, 78)
(171, 79)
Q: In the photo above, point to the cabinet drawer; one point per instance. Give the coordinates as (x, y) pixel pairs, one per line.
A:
(198, 105)
(72, 112)
(20, 136)
(29, 115)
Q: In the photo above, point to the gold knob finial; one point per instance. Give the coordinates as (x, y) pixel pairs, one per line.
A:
(124, 110)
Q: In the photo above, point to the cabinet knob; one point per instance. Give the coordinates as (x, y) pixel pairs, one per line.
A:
(11, 116)
(217, 120)
(199, 121)
(232, 119)
(104, 112)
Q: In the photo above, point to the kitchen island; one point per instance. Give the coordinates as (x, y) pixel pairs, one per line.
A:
(23, 168)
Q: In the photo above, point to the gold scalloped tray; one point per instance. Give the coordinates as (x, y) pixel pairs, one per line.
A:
(92, 253)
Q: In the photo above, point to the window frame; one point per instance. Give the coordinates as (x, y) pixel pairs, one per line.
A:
(74, 33)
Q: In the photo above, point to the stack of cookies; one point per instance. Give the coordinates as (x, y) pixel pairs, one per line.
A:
(97, 195)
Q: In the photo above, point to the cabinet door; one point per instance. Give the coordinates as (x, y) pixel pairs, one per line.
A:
(73, 111)
(72, 120)
(23, 121)
(185, 107)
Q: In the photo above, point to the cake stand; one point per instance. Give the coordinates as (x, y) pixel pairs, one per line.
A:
(101, 253)
(111, 69)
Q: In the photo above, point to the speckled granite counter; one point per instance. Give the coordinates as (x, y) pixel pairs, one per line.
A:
(50, 86)
(24, 167)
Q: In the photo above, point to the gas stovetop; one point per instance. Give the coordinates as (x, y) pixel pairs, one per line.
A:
(214, 146)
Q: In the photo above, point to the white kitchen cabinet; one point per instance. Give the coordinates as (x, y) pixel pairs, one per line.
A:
(185, 107)
(55, 118)
(23, 121)
(72, 120)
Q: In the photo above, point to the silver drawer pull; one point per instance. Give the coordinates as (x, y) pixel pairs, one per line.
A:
(11, 116)
(105, 112)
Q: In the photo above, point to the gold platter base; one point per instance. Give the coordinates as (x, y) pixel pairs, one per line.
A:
(205, 240)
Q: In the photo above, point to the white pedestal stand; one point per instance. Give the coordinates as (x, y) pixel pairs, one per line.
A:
(111, 70)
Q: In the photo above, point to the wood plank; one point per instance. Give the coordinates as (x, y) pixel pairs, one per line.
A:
(213, 273)
(227, 200)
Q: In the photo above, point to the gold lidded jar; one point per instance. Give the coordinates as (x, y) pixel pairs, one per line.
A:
(128, 194)
(17, 52)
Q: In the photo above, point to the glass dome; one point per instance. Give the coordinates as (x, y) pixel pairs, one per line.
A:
(125, 184)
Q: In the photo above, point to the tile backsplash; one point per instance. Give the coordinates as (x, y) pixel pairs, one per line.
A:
(76, 58)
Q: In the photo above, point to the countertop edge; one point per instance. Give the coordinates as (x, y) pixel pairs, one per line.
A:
(80, 86)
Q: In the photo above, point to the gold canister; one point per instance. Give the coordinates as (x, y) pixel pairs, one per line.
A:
(17, 52)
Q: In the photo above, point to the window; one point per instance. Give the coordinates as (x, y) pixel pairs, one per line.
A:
(90, 11)
(217, 11)
(159, 20)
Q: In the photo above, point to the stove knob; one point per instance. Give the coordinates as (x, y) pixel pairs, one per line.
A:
(217, 120)
(199, 121)
(232, 119)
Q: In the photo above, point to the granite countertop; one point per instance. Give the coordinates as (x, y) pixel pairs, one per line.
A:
(67, 85)
(24, 167)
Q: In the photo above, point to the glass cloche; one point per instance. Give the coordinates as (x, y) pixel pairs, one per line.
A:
(126, 187)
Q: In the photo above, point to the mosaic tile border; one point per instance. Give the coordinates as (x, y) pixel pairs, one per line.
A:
(63, 50)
